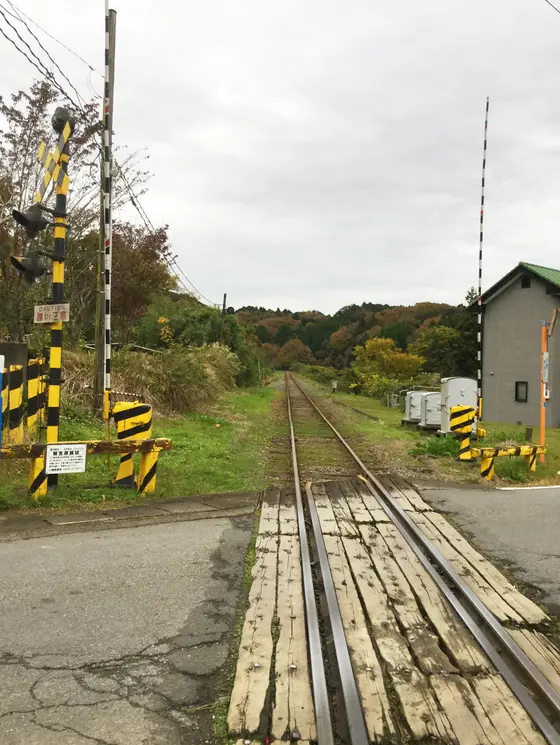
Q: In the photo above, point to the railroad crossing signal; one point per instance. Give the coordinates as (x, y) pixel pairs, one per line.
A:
(53, 169)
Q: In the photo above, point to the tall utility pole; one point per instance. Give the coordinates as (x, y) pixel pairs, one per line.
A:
(223, 317)
(60, 120)
(102, 381)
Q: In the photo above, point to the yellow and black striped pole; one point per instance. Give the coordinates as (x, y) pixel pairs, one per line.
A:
(134, 422)
(5, 391)
(60, 120)
(34, 382)
(461, 420)
(15, 405)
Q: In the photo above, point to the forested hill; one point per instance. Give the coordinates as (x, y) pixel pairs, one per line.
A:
(443, 334)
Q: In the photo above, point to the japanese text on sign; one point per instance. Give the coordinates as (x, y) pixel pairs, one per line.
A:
(66, 458)
(52, 313)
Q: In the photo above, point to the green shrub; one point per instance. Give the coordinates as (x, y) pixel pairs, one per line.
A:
(440, 447)
(318, 373)
(512, 469)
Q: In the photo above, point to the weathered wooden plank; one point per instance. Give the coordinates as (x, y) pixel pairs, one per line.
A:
(418, 705)
(269, 511)
(505, 712)
(411, 580)
(403, 488)
(540, 650)
(378, 514)
(469, 722)
(359, 511)
(520, 603)
(346, 523)
(366, 666)
(252, 676)
(420, 636)
(327, 519)
(472, 577)
(396, 494)
(287, 514)
(293, 715)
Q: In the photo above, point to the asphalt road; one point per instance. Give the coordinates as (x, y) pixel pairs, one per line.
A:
(113, 637)
(519, 528)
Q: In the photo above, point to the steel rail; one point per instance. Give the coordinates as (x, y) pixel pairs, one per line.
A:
(319, 681)
(490, 634)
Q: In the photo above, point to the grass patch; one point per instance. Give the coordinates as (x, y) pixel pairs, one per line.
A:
(398, 448)
(439, 447)
(218, 451)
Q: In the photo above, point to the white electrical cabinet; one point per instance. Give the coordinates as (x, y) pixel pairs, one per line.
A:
(412, 407)
(455, 392)
(430, 408)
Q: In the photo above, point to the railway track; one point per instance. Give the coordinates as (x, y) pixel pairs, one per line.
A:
(357, 564)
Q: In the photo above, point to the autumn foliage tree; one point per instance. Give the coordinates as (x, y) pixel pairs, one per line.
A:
(382, 357)
(294, 351)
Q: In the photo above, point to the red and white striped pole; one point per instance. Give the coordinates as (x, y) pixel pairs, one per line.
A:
(110, 27)
(479, 297)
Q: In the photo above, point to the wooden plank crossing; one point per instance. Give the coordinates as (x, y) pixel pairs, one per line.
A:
(421, 675)
(293, 714)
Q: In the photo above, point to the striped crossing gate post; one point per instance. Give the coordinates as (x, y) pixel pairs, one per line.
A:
(461, 420)
(2, 376)
(15, 405)
(531, 457)
(34, 384)
(134, 422)
(487, 463)
(5, 390)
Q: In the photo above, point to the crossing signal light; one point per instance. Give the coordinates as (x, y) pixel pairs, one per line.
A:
(29, 265)
(32, 221)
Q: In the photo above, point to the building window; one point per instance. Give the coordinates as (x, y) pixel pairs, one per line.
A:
(525, 283)
(521, 391)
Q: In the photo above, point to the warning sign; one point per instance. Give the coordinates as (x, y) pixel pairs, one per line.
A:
(51, 313)
(65, 458)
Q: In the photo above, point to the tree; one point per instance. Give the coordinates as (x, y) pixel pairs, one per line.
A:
(381, 357)
(438, 345)
(294, 351)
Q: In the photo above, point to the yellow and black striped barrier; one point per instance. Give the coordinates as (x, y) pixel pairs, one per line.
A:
(5, 393)
(15, 405)
(149, 450)
(461, 422)
(134, 422)
(35, 394)
(488, 455)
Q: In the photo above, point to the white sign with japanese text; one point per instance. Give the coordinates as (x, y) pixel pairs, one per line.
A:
(66, 458)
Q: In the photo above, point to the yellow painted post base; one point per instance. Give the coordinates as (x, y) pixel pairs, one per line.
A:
(146, 483)
(134, 422)
(37, 478)
(461, 420)
(487, 468)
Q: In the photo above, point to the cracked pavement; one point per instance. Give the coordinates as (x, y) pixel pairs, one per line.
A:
(117, 637)
(518, 528)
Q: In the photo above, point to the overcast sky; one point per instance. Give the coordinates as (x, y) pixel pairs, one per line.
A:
(315, 153)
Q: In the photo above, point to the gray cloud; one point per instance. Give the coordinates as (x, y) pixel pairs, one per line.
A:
(313, 154)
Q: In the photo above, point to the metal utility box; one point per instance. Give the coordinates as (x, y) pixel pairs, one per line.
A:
(430, 410)
(412, 410)
(455, 392)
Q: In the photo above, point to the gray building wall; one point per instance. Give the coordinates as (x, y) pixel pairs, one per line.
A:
(511, 352)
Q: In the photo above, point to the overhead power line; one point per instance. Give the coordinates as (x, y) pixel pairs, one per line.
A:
(43, 70)
(22, 15)
(3, 8)
(171, 262)
(552, 6)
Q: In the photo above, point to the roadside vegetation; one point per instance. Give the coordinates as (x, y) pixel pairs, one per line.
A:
(223, 449)
(423, 457)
